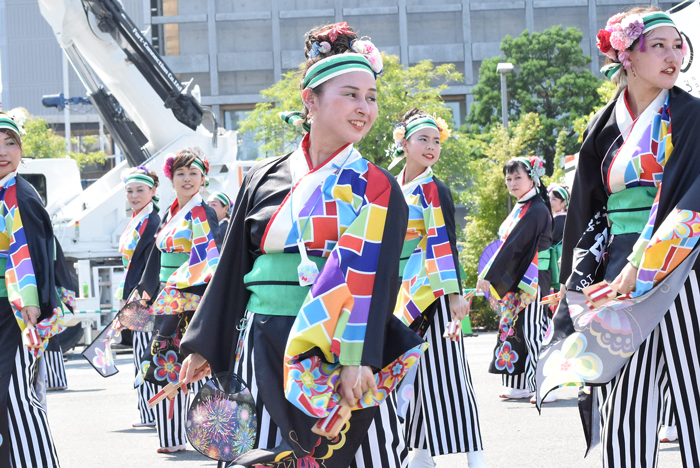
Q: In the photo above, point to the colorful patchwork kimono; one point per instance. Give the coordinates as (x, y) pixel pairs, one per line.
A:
(428, 274)
(179, 267)
(26, 258)
(349, 218)
(647, 168)
(514, 276)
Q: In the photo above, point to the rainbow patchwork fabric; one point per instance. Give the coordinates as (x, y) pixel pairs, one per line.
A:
(19, 275)
(430, 272)
(190, 234)
(128, 242)
(341, 212)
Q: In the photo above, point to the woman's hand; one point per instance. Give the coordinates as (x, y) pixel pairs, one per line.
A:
(482, 285)
(194, 368)
(626, 281)
(459, 306)
(355, 381)
(30, 315)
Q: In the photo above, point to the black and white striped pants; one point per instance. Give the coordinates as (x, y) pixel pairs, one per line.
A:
(534, 326)
(668, 362)
(31, 444)
(55, 370)
(145, 391)
(171, 432)
(443, 416)
(384, 446)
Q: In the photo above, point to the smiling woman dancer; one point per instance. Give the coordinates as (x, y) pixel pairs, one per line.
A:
(28, 299)
(512, 274)
(341, 220)
(442, 416)
(647, 134)
(179, 267)
(135, 244)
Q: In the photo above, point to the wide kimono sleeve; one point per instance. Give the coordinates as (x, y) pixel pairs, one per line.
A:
(673, 230)
(512, 261)
(213, 331)
(586, 228)
(66, 284)
(448, 213)
(346, 311)
(204, 255)
(137, 263)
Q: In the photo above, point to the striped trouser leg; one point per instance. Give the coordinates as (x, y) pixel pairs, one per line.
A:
(145, 391)
(384, 446)
(680, 332)
(55, 370)
(171, 432)
(669, 418)
(534, 327)
(443, 416)
(31, 444)
(667, 362)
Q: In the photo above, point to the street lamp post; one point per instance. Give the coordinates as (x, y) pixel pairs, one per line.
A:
(503, 69)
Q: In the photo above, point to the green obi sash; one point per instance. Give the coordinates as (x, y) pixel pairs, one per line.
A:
(543, 258)
(554, 265)
(3, 285)
(274, 284)
(408, 248)
(629, 210)
(169, 262)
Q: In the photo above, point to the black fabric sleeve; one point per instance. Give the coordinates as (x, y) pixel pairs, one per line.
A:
(63, 276)
(141, 253)
(40, 241)
(519, 248)
(448, 214)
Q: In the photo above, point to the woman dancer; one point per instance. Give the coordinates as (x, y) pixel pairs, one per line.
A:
(512, 278)
(559, 201)
(221, 203)
(135, 244)
(321, 211)
(180, 266)
(628, 150)
(442, 416)
(28, 301)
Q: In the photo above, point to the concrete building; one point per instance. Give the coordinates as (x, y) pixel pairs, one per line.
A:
(234, 48)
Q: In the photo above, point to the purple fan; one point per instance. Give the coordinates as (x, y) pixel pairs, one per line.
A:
(486, 257)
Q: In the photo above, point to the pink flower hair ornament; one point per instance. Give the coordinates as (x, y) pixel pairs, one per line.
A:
(168, 166)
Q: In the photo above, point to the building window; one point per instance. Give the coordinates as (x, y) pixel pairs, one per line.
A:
(248, 149)
(165, 37)
(458, 106)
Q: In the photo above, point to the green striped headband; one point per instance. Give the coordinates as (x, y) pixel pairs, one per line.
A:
(199, 164)
(142, 178)
(7, 123)
(563, 193)
(222, 197)
(655, 20)
(333, 66)
(423, 122)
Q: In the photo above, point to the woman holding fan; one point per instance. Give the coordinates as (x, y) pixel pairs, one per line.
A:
(430, 298)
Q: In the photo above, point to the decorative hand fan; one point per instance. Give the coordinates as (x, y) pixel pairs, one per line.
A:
(486, 257)
(222, 423)
(99, 353)
(135, 316)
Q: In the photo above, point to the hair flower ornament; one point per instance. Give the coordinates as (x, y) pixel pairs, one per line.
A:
(443, 128)
(537, 171)
(168, 166)
(371, 53)
(18, 116)
(399, 133)
(333, 31)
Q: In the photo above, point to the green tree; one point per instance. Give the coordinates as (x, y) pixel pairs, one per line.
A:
(549, 79)
(487, 197)
(42, 142)
(398, 89)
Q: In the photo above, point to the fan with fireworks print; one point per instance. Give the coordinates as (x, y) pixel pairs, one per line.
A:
(136, 317)
(221, 423)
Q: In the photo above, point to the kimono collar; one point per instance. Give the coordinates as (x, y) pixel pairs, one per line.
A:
(5, 181)
(408, 187)
(301, 163)
(559, 213)
(625, 119)
(528, 196)
(194, 201)
(133, 224)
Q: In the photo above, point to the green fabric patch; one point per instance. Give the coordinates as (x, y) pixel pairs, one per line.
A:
(629, 210)
(274, 284)
(170, 262)
(408, 248)
(3, 286)
(543, 260)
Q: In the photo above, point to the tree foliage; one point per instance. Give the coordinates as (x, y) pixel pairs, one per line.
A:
(487, 196)
(42, 142)
(398, 89)
(549, 79)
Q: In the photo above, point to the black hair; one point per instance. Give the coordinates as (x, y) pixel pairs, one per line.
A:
(511, 167)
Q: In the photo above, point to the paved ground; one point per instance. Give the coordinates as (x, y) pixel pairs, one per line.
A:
(91, 423)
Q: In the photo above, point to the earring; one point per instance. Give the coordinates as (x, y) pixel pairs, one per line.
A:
(22, 162)
(310, 118)
(634, 74)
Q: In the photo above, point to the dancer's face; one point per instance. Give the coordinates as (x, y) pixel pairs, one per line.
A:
(557, 203)
(10, 154)
(423, 147)
(518, 182)
(187, 181)
(658, 66)
(218, 207)
(139, 195)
